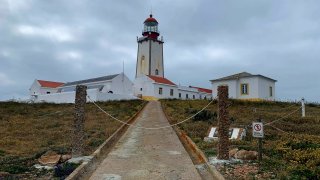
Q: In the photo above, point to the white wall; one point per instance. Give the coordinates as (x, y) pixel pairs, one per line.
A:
(184, 90)
(258, 88)
(94, 94)
(165, 91)
(121, 84)
(253, 91)
(156, 58)
(263, 89)
(143, 50)
(233, 88)
(146, 84)
(35, 88)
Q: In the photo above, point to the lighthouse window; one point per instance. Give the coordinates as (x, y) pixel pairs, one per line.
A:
(157, 72)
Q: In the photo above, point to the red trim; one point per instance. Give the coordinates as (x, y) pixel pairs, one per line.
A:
(161, 80)
(209, 91)
(50, 84)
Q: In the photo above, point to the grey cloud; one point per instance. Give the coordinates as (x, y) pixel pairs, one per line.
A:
(203, 40)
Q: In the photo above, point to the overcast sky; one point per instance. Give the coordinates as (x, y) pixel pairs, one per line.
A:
(68, 40)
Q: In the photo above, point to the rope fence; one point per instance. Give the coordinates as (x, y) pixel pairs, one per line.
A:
(192, 116)
(150, 128)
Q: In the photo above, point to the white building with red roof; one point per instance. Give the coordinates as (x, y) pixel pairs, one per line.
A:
(39, 87)
(154, 87)
(150, 81)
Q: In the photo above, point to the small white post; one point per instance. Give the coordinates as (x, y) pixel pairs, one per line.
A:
(303, 108)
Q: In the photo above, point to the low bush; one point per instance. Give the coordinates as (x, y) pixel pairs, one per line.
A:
(63, 170)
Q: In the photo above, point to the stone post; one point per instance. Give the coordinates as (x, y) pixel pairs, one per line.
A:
(223, 123)
(79, 119)
(303, 108)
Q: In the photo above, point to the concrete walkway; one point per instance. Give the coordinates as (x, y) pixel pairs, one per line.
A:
(148, 154)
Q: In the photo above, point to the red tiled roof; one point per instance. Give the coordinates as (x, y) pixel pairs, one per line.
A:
(209, 91)
(161, 80)
(50, 84)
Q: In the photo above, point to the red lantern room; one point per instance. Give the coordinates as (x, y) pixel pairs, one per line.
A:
(150, 28)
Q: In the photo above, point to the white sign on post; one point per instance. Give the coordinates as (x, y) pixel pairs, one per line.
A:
(257, 129)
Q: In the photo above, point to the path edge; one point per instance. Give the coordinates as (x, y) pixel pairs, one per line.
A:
(193, 150)
(85, 169)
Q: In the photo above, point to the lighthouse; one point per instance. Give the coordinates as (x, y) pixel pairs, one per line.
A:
(150, 50)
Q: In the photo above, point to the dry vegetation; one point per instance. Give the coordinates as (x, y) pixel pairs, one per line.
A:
(293, 154)
(29, 130)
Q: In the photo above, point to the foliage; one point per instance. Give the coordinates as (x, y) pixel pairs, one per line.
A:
(289, 155)
(65, 169)
(29, 130)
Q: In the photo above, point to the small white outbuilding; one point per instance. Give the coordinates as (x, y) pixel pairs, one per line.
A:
(40, 87)
(246, 86)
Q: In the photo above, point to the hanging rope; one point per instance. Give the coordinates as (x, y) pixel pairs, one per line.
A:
(283, 117)
(149, 128)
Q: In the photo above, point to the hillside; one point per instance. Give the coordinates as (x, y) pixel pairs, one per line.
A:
(291, 146)
(29, 130)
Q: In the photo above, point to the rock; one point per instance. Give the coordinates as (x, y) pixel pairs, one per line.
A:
(50, 158)
(65, 157)
(4, 174)
(246, 155)
(79, 160)
(232, 152)
(38, 166)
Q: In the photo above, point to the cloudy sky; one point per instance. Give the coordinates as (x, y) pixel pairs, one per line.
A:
(68, 40)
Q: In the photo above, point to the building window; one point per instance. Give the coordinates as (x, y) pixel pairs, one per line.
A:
(171, 92)
(244, 89)
(270, 91)
(205, 98)
(160, 90)
(157, 72)
(48, 92)
(179, 95)
(187, 96)
(140, 89)
(193, 96)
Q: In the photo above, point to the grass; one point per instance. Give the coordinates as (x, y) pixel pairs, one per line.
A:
(293, 154)
(29, 130)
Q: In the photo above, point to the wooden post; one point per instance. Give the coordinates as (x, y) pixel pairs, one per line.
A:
(259, 145)
(303, 108)
(223, 123)
(79, 119)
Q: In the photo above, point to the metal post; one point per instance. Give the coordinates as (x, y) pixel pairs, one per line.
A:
(79, 119)
(223, 123)
(303, 108)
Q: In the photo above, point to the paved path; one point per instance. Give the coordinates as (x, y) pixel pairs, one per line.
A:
(148, 154)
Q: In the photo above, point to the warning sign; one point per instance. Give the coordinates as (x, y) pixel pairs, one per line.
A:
(257, 129)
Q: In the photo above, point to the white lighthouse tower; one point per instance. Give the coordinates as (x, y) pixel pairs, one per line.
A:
(150, 50)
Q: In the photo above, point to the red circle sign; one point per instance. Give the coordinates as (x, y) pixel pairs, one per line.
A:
(257, 127)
